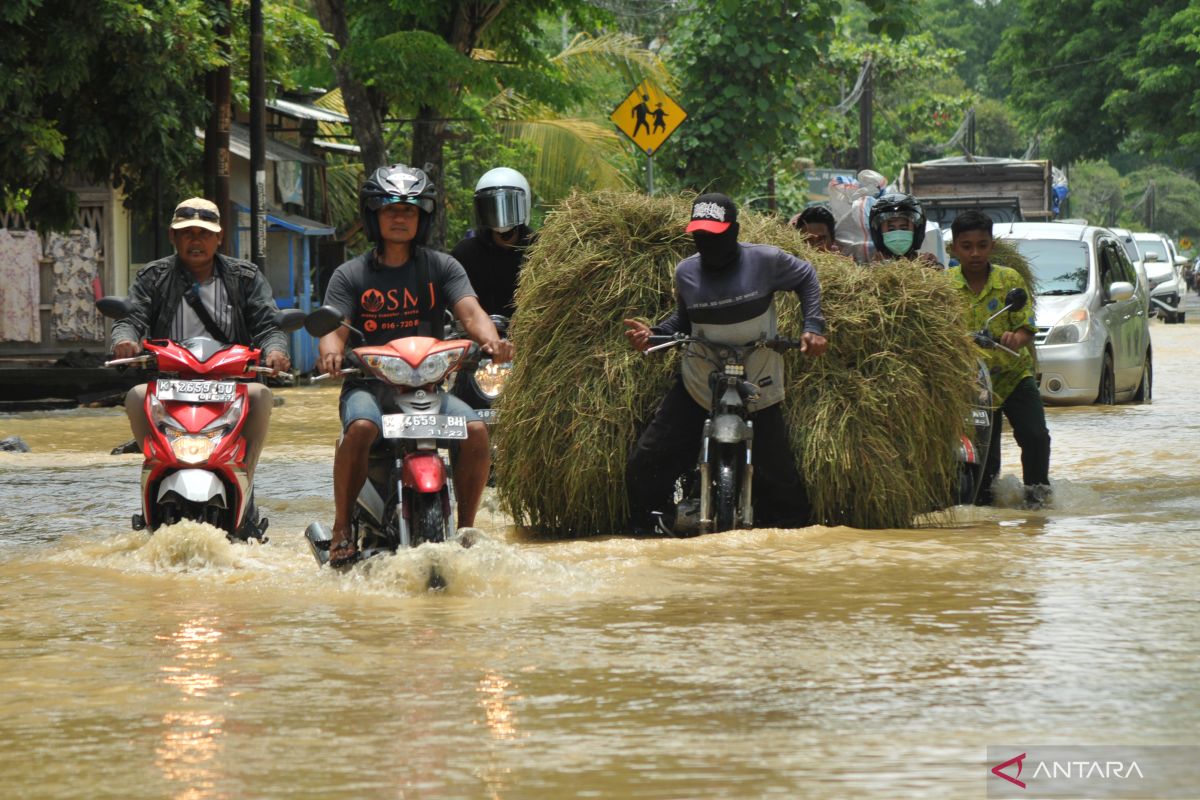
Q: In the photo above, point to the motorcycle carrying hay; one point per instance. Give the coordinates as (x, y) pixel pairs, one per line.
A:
(874, 424)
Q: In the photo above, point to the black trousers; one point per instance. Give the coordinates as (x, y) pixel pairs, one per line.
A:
(1027, 416)
(670, 446)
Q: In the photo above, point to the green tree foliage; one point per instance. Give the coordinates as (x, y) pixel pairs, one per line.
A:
(973, 27)
(98, 90)
(757, 77)
(1097, 193)
(1155, 197)
(738, 77)
(998, 132)
(1098, 75)
(421, 60)
(919, 102)
(1174, 201)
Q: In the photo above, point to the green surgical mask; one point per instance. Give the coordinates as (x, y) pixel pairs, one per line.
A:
(898, 241)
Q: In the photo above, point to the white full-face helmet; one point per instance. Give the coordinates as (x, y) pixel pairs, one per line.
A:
(502, 200)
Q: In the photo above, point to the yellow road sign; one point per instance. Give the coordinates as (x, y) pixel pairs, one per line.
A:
(648, 116)
(1185, 243)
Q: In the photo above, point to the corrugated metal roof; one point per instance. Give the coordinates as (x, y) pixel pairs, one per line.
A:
(239, 144)
(336, 147)
(290, 108)
(299, 224)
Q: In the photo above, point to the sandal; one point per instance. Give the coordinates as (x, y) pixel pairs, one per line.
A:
(342, 552)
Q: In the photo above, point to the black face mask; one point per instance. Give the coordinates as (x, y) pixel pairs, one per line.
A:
(718, 250)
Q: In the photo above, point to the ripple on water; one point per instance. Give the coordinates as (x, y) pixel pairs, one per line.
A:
(488, 568)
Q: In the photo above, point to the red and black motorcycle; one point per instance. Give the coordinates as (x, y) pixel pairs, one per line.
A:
(195, 454)
(408, 497)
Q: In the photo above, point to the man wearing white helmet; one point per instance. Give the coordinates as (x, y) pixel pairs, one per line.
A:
(493, 256)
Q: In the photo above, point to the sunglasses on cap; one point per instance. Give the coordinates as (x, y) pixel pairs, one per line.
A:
(197, 213)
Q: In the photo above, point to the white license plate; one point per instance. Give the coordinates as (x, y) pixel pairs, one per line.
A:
(424, 426)
(197, 391)
(488, 415)
(980, 417)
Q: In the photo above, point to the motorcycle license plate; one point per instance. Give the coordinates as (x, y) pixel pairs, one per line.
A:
(424, 426)
(487, 415)
(184, 391)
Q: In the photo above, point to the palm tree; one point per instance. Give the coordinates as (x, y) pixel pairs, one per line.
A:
(575, 148)
(578, 147)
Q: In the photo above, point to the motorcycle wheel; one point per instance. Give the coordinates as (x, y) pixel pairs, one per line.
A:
(966, 485)
(725, 498)
(428, 522)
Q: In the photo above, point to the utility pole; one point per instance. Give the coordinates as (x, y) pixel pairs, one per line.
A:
(866, 119)
(971, 132)
(216, 135)
(258, 139)
(1148, 209)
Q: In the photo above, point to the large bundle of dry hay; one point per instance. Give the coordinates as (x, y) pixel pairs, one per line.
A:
(875, 422)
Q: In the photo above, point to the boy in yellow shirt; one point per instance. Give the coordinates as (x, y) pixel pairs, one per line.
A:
(1014, 389)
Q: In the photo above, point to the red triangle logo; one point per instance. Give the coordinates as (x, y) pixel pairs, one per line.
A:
(996, 770)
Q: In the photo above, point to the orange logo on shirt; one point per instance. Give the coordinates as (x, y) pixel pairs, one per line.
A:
(372, 300)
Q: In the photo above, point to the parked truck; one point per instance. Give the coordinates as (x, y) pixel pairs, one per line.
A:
(1007, 189)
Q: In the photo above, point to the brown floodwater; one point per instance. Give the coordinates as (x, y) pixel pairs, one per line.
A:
(823, 662)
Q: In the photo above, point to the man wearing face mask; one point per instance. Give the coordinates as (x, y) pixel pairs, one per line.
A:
(493, 256)
(897, 225)
(726, 294)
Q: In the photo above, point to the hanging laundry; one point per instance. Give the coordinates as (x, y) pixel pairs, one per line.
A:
(20, 286)
(77, 259)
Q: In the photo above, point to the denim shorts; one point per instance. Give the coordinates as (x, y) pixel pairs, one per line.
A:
(359, 402)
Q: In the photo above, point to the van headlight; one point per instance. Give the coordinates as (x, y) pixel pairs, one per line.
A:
(1072, 328)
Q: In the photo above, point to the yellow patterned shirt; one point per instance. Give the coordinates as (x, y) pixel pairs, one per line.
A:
(1007, 370)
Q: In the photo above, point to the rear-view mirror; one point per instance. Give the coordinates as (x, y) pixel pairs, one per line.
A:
(1151, 256)
(1120, 291)
(290, 319)
(1016, 299)
(325, 319)
(114, 307)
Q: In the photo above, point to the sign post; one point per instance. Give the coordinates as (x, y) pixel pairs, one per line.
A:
(648, 116)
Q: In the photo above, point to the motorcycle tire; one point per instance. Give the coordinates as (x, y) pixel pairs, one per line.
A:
(725, 496)
(428, 521)
(966, 485)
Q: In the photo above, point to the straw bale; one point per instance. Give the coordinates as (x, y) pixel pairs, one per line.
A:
(874, 423)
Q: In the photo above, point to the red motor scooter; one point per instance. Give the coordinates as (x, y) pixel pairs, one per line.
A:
(195, 454)
(408, 497)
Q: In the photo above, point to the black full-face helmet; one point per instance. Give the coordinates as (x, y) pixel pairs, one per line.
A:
(397, 184)
(890, 206)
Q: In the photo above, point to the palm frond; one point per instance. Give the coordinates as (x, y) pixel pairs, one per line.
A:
(587, 55)
(571, 152)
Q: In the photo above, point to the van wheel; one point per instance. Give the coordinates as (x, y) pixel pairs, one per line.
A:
(1107, 395)
(1144, 393)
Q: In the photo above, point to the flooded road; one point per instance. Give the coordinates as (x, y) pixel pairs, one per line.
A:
(824, 662)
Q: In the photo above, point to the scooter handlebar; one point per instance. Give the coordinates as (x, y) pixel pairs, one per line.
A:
(342, 373)
(986, 340)
(144, 358)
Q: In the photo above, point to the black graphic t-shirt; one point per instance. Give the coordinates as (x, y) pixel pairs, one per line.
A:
(386, 303)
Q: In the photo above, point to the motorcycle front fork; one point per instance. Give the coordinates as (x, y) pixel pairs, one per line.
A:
(747, 497)
(403, 513)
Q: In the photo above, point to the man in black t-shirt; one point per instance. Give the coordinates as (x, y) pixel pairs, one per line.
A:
(399, 289)
(493, 256)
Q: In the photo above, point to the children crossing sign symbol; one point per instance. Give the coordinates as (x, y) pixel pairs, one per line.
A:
(648, 116)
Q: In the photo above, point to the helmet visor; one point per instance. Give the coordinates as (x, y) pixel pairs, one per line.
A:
(500, 207)
(880, 218)
(379, 201)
